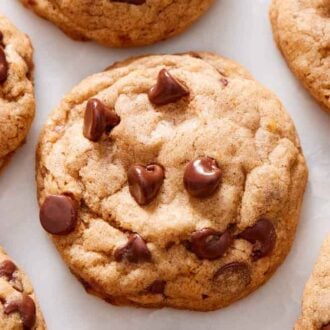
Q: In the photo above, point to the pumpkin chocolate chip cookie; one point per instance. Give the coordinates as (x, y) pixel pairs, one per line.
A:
(18, 307)
(17, 102)
(171, 180)
(120, 23)
(302, 32)
(315, 313)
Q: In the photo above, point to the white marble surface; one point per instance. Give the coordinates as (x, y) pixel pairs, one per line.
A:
(235, 28)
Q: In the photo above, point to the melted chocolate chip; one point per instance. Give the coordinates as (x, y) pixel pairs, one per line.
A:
(131, 2)
(135, 250)
(3, 66)
(326, 327)
(210, 244)
(98, 119)
(239, 268)
(26, 307)
(144, 182)
(233, 277)
(167, 90)
(7, 269)
(263, 236)
(58, 214)
(202, 177)
(157, 287)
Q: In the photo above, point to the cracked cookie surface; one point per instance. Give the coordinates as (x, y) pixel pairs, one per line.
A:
(17, 103)
(302, 31)
(315, 311)
(18, 307)
(120, 23)
(189, 200)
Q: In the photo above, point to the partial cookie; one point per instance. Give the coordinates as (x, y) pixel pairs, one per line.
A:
(315, 311)
(121, 23)
(302, 31)
(18, 306)
(17, 102)
(171, 180)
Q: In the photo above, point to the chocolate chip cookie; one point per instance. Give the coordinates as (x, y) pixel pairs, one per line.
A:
(302, 31)
(18, 306)
(120, 23)
(315, 313)
(171, 180)
(17, 102)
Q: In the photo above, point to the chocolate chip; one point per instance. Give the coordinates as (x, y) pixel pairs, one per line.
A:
(7, 269)
(167, 90)
(157, 287)
(202, 177)
(135, 250)
(58, 214)
(26, 307)
(144, 182)
(233, 267)
(98, 119)
(210, 244)
(131, 2)
(263, 236)
(326, 327)
(3, 66)
(233, 276)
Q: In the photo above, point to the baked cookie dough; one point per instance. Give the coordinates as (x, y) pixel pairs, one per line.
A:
(302, 31)
(17, 102)
(171, 180)
(120, 23)
(18, 307)
(315, 313)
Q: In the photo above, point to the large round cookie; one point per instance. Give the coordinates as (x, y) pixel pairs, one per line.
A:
(171, 180)
(120, 23)
(17, 102)
(315, 313)
(302, 31)
(18, 307)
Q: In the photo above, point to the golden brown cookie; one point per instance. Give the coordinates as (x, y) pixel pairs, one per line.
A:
(302, 31)
(171, 180)
(120, 23)
(17, 102)
(18, 307)
(315, 311)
